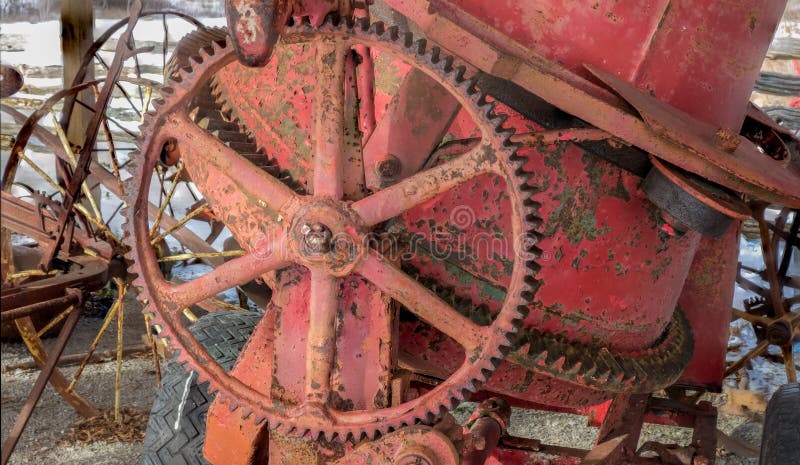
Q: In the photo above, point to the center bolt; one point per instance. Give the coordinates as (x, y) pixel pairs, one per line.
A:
(316, 238)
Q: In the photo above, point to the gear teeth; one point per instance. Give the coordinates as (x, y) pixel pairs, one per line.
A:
(408, 39)
(393, 33)
(377, 28)
(362, 24)
(461, 71)
(420, 46)
(446, 64)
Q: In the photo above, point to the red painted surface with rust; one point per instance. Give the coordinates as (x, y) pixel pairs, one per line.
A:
(707, 299)
(701, 57)
(610, 272)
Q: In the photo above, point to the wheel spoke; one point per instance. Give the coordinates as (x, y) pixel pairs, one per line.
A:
(223, 169)
(421, 301)
(753, 353)
(770, 270)
(751, 318)
(269, 256)
(321, 345)
(788, 362)
(421, 187)
(329, 107)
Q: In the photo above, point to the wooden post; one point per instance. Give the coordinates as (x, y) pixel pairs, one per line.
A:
(77, 35)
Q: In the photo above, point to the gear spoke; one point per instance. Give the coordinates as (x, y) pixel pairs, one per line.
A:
(421, 301)
(269, 256)
(426, 185)
(321, 345)
(329, 107)
(200, 148)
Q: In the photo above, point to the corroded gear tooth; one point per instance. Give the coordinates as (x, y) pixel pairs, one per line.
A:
(377, 28)
(446, 64)
(419, 46)
(460, 70)
(362, 24)
(471, 87)
(434, 54)
(408, 39)
(393, 33)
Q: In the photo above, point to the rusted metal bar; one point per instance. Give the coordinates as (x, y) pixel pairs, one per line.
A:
(71, 298)
(34, 344)
(38, 387)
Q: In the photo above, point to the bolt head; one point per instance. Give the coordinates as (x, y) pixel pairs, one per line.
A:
(388, 168)
(316, 237)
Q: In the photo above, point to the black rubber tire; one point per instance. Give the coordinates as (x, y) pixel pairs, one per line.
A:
(223, 334)
(780, 441)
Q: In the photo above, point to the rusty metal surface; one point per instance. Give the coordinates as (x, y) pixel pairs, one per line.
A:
(487, 424)
(738, 157)
(706, 300)
(71, 297)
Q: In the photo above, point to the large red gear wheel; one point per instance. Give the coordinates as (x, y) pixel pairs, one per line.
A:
(279, 227)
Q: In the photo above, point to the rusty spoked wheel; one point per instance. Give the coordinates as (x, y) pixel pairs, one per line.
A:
(33, 190)
(774, 311)
(316, 249)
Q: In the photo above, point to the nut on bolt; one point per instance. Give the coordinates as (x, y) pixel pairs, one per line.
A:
(316, 237)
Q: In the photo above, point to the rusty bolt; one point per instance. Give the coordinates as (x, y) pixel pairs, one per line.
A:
(727, 140)
(316, 237)
(388, 168)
